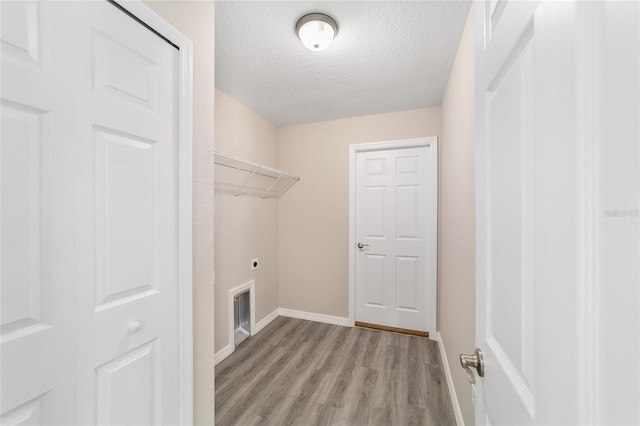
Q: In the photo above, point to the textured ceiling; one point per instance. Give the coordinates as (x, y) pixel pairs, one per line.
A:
(388, 56)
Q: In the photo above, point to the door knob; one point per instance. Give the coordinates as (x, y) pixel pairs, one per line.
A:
(361, 246)
(476, 361)
(134, 326)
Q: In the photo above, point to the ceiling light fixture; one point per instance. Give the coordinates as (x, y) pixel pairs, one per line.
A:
(316, 30)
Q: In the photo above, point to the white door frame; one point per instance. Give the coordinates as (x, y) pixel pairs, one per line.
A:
(432, 225)
(185, 144)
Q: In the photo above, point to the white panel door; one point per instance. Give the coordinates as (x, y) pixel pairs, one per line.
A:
(89, 217)
(36, 229)
(505, 316)
(558, 183)
(395, 274)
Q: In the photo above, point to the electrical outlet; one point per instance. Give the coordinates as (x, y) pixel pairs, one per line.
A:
(254, 264)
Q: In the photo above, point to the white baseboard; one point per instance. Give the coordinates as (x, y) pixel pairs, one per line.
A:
(329, 319)
(222, 354)
(311, 316)
(265, 321)
(452, 389)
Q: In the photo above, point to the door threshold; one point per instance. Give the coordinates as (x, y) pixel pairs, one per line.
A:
(393, 329)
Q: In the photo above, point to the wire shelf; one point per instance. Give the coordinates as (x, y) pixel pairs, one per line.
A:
(253, 169)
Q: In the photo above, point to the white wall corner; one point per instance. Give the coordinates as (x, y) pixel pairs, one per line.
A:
(311, 316)
(265, 321)
(452, 390)
(222, 354)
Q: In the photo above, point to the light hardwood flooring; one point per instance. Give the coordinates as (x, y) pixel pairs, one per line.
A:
(297, 372)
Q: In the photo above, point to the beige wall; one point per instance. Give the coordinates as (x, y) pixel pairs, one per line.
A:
(314, 213)
(303, 237)
(456, 282)
(196, 20)
(246, 226)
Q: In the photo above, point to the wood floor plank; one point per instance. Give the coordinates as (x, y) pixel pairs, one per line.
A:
(233, 400)
(438, 397)
(359, 408)
(325, 415)
(298, 410)
(282, 382)
(298, 372)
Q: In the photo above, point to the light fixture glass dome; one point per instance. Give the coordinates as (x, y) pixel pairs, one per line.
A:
(316, 31)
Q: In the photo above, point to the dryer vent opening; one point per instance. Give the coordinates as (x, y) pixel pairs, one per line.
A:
(241, 318)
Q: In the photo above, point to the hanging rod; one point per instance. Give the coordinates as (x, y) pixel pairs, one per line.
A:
(238, 163)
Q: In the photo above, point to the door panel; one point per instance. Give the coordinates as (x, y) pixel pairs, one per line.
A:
(22, 190)
(34, 412)
(505, 241)
(407, 283)
(35, 228)
(509, 108)
(126, 274)
(374, 270)
(557, 296)
(123, 72)
(137, 371)
(407, 213)
(375, 197)
(393, 206)
(125, 227)
(20, 31)
(89, 217)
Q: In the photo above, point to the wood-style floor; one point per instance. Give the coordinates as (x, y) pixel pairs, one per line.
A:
(297, 372)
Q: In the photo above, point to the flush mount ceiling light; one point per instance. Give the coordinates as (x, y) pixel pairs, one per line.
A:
(316, 30)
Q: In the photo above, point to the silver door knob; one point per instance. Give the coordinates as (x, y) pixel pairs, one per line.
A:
(361, 246)
(473, 361)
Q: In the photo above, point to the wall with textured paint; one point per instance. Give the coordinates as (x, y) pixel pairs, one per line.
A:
(314, 213)
(246, 226)
(456, 252)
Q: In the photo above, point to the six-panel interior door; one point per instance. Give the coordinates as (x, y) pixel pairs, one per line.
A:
(89, 217)
(395, 272)
(558, 184)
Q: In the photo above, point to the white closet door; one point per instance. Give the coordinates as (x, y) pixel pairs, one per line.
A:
(106, 183)
(36, 226)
